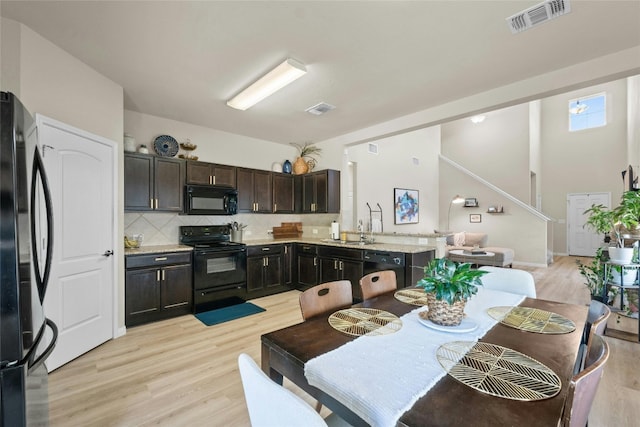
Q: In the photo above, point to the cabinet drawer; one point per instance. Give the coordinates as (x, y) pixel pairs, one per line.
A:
(342, 253)
(159, 259)
(302, 248)
(264, 250)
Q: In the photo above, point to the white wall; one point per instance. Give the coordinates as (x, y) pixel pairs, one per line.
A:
(393, 167)
(496, 149)
(586, 161)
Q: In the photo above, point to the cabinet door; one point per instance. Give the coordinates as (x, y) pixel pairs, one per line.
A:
(308, 193)
(142, 296)
(244, 184)
(288, 264)
(169, 184)
(224, 176)
(176, 288)
(199, 173)
(353, 271)
(255, 267)
(321, 191)
(262, 191)
(138, 182)
(283, 193)
(329, 270)
(307, 269)
(273, 271)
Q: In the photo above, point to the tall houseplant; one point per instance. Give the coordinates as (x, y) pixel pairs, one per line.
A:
(594, 276)
(448, 286)
(618, 223)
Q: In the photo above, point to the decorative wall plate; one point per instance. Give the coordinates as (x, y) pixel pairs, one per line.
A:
(532, 320)
(498, 371)
(166, 146)
(365, 321)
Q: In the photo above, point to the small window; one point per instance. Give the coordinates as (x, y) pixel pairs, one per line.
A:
(588, 112)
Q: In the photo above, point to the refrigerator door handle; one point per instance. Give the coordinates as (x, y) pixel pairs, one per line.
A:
(40, 360)
(38, 174)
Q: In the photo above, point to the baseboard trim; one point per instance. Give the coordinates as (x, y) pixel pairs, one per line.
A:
(528, 264)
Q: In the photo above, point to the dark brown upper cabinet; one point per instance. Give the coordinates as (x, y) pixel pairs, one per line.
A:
(203, 173)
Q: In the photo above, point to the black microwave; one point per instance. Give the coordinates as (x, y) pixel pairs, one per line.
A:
(207, 200)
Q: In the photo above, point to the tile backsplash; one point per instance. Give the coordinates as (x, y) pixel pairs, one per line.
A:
(162, 228)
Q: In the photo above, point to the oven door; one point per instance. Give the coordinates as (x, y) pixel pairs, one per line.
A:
(219, 278)
(219, 268)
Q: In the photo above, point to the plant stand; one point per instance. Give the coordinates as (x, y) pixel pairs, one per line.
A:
(623, 286)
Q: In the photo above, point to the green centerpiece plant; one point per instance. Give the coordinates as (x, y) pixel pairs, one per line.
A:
(448, 286)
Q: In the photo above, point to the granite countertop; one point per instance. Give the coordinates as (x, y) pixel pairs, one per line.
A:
(157, 249)
(375, 246)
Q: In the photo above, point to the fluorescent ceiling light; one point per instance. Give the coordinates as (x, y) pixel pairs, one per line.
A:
(271, 82)
(478, 119)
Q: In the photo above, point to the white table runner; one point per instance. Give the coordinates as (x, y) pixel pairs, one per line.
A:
(379, 378)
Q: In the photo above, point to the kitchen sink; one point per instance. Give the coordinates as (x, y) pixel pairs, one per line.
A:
(358, 243)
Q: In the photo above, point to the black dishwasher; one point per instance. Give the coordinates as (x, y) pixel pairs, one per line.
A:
(384, 260)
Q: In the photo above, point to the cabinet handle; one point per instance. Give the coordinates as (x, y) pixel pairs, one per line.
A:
(161, 258)
(266, 249)
(157, 275)
(163, 275)
(210, 180)
(151, 203)
(214, 180)
(275, 207)
(335, 264)
(286, 251)
(257, 206)
(156, 203)
(315, 261)
(341, 266)
(266, 262)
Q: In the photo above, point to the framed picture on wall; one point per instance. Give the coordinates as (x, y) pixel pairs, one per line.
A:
(406, 205)
(475, 218)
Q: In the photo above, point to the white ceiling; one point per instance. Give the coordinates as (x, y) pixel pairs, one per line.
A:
(375, 61)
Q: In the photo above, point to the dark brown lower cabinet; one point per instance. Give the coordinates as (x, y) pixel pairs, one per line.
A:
(341, 263)
(265, 272)
(306, 270)
(157, 286)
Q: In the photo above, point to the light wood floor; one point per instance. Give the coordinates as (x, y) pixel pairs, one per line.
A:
(179, 372)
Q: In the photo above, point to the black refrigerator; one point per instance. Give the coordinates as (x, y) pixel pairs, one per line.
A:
(27, 337)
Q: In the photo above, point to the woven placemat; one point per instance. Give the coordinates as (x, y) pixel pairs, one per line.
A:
(412, 296)
(498, 371)
(532, 320)
(365, 321)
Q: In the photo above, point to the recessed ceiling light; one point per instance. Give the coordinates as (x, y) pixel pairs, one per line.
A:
(478, 119)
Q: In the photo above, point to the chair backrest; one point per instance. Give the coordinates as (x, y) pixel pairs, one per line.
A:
(583, 385)
(269, 403)
(509, 280)
(596, 321)
(379, 282)
(325, 297)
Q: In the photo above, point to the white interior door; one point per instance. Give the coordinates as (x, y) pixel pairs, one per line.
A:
(583, 241)
(80, 297)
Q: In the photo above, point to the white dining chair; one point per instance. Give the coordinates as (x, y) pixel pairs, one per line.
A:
(271, 405)
(509, 280)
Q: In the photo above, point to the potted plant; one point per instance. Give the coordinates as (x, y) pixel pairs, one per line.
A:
(449, 285)
(593, 275)
(618, 223)
(306, 157)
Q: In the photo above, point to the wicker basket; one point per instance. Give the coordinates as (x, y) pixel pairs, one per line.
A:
(441, 313)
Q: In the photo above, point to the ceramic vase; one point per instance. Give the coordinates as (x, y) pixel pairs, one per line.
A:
(300, 166)
(286, 166)
(129, 143)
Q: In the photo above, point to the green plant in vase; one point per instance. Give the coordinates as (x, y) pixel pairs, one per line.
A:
(594, 276)
(448, 286)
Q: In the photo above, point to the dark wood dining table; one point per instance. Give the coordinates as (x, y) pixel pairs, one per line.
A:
(449, 402)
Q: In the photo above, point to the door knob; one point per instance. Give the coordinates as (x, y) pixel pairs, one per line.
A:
(107, 253)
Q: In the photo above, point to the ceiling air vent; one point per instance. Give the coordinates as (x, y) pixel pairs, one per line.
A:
(373, 148)
(320, 108)
(537, 15)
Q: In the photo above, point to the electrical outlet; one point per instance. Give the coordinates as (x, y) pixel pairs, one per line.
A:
(314, 231)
